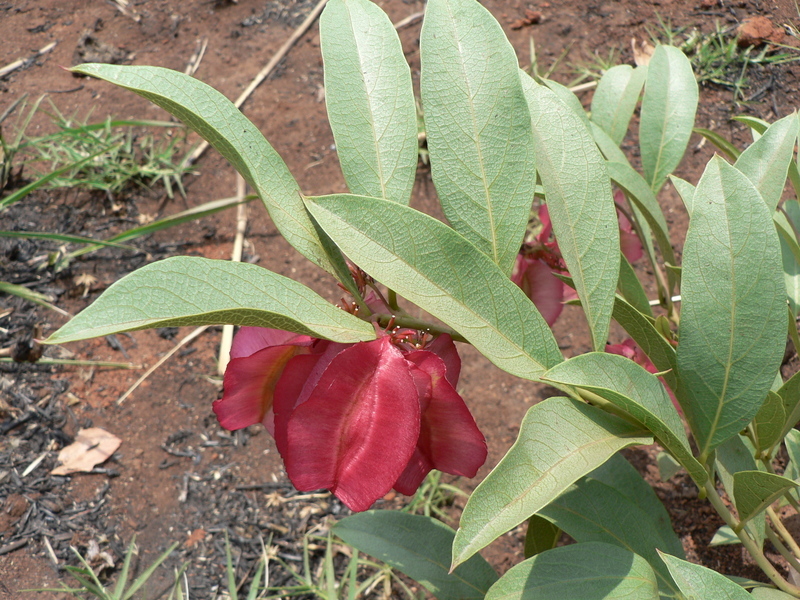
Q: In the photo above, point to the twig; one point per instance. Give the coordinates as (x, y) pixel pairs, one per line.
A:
(236, 256)
(18, 63)
(410, 19)
(197, 57)
(164, 359)
(264, 73)
(123, 7)
(583, 87)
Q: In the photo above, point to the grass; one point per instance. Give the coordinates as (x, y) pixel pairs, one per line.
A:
(717, 58)
(119, 155)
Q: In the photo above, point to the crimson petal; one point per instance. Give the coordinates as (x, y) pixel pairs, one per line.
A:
(358, 428)
(444, 348)
(449, 439)
(249, 386)
(249, 340)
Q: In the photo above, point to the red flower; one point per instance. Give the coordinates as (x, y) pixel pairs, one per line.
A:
(357, 419)
(536, 263)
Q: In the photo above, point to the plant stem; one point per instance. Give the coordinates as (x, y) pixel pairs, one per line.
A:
(756, 552)
(392, 299)
(776, 541)
(414, 323)
(782, 531)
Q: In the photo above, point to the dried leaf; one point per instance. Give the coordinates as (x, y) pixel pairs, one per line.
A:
(642, 53)
(91, 447)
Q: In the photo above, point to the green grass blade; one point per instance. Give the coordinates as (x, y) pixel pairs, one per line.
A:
(148, 573)
(479, 132)
(370, 100)
(22, 192)
(30, 296)
(60, 237)
(198, 291)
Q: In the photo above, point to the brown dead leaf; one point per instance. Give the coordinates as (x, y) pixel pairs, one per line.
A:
(197, 536)
(642, 53)
(91, 447)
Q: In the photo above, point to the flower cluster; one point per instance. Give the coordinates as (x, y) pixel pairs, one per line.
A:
(540, 259)
(357, 419)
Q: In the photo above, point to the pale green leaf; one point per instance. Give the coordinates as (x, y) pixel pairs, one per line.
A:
(765, 593)
(560, 440)
(578, 572)
(434, 267)
(631, 288)
(370, 101)
(754, 491)
(198, 291)
(721, 142)
(647, 337)
(768, 422)
(638, 394)
(593, 511)
(615, 99)
(787, 222)
(733, 313)
(606, 145)
(215, 118)
(636, 189)
(733, 456)
(724, 536)
(567, 97)
(700, 583)
(580, 204)
(792, 441)
(668, 109)
(685, 191)
(668, 467)
(420, 547)
(478, 128)
(790, 393)
(766, 161)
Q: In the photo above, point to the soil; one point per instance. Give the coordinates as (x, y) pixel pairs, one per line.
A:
(179, 477)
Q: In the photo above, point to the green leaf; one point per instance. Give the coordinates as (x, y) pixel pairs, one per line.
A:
(792, 441)
(540, 536)
(418, 546)
(578, 572)
(198, 291)
(615, 99)
(685, 191)
(567, 97)
(636, 189)
(754, 491)
(215, 118)
(606, 145)
(700, 583)
(766, 162)
(478, 128)
(734, 456)
(790, 393)
(668, 109)
(629, 388)
(434, 267)
(765, 593)
(768, 422)
(733, 317)
(787, 222)
(722, 143)
(580, 204)
(560, 440)
(667, 466)
(631, 288)
(647, 337)
(593, 511)
(370, 100)
(724, 536)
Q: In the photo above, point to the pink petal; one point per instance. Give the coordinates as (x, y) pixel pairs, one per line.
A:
(249, 340)
(444, 348)
(359, 426)
(449, 439)
(249, 386)
(544, 289)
